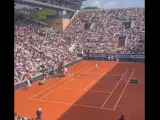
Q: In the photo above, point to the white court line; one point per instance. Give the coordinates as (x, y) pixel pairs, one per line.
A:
(98, 91)
(124, 89)
(87, 106)
(72, 104)
(92, 74)
(85, 71)
(72, 89)
(94, 81)
(107, 108)
(114, 75)
(87, 90)
(54, 84)
(63, 84)
(51, 101)
(114, 88)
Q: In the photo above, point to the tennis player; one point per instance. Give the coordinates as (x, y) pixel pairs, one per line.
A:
(39, 114)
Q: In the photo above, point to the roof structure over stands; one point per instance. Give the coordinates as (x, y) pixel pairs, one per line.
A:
(68, 5)
(42, 4)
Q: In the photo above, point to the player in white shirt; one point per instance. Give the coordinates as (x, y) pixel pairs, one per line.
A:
(29, 84)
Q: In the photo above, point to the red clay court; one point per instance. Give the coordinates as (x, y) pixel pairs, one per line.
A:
(91, 94)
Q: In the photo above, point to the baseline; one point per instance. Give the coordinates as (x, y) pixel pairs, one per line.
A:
(72, 104)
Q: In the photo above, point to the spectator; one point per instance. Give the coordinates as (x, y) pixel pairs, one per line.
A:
(15, 116)
(19, 118)
(25, 118)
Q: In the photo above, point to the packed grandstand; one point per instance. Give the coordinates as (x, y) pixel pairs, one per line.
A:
(36, 44)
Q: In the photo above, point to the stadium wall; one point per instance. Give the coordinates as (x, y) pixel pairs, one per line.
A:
(39, 77)
(58, 23)
(55, 23)
(65, 22)
(120, 57)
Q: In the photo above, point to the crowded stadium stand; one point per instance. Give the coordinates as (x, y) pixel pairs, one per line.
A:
(106, 28)
(36, 43)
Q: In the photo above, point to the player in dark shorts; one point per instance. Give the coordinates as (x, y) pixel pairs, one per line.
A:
(39, 114)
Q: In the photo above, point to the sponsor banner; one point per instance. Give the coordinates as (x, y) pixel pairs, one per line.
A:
(123, 56)
(97, 55)
(137, 56)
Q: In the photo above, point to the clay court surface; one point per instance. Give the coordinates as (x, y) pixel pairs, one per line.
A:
(91, 94)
